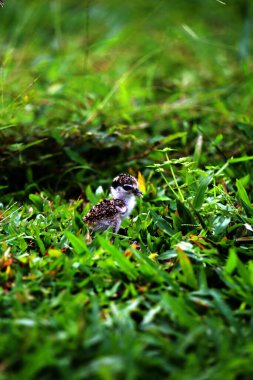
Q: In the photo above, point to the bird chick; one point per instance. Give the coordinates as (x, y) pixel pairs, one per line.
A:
(111, 212)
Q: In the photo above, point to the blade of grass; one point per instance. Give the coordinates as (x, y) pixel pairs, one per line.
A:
(200, 194)
(187, 268)
(77, 243)
(123, 262)
(242, 192)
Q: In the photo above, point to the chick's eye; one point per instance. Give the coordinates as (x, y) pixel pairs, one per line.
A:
(127, 187)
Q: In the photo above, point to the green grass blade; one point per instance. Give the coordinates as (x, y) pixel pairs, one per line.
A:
(77, 243)
(200, 195)
(240, 159)
(243, 196)
(124, 263)
(231, 262)
(185, 263)
(223, 307)
(242, 192)
(187, 221)
(161, 223)
(37, 201)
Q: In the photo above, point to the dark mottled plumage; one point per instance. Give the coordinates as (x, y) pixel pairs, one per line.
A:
(1, 3)
(105, 209)
(123, 179)
(105, 214)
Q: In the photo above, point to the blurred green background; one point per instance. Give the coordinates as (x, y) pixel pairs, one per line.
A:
(86, 85)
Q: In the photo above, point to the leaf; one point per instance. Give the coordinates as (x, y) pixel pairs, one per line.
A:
(77, 243)
(149, 268)
(187, 221)
(243, 272)
(167, 255)
(149, 317)
(243, 196)
(240, 159)
(177, 309)
(223, 307)
(161, 223)
(91, 196)
(187, 268)
(248, 209)
(40, 242)
(125, 265)
(141, 181)
(202, 278)
(231, 262)
(251, 272)
(37, 201)
(220, 224)
(242, 192)
(200, 195)
(54, 252)
(19, 147)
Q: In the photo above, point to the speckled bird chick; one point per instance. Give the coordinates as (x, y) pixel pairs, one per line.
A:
(111, 212)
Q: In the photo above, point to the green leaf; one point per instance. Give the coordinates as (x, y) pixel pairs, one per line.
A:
(243, 272)
(231, 262)
(125, 265)
(240, 159)
(223, 307)
(19, 147)
(77, 243)
(177, 309)
(148, 268)
(39, 241)
(185, 263)
(248, 209)
(93, 198)
(200, 195)
(150, 315)
(161, 223)
(243, 196)
(187, 220)
(37, 201)
(242, 192)
(220, 224)
(251, 272)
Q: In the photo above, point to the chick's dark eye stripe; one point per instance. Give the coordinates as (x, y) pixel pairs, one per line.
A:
(127, 187)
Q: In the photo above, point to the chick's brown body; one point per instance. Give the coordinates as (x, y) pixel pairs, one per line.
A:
(106, 213)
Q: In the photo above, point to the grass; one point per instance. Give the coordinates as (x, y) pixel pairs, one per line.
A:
(161, 91)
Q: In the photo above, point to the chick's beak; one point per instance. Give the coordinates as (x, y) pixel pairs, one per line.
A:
(138, 192)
